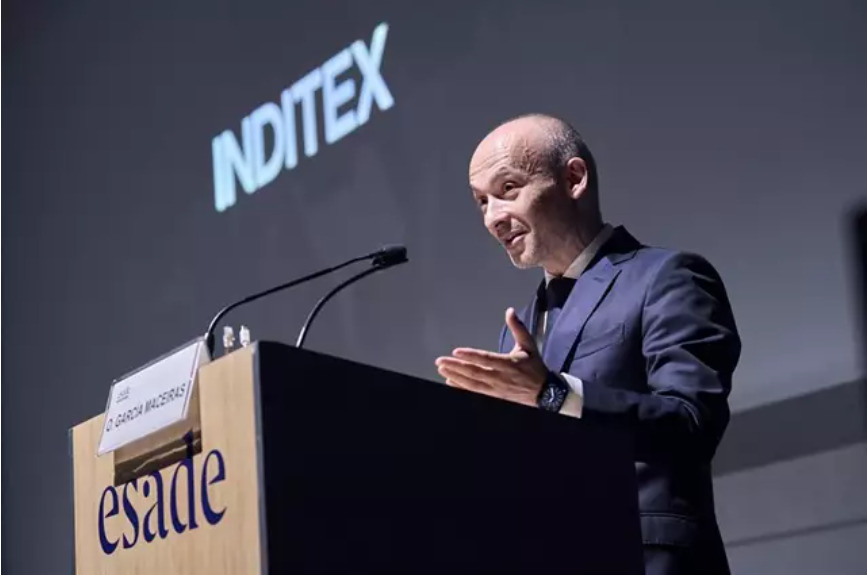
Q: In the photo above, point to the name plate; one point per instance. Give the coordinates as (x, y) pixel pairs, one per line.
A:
(152, 397)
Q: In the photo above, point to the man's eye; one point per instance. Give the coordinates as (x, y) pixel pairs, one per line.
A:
(482, 202)
(508, 186)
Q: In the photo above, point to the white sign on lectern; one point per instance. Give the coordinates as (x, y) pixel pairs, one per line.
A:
(152, 397)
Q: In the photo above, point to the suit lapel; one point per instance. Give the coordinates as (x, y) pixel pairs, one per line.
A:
(587, 294)
(589, 290)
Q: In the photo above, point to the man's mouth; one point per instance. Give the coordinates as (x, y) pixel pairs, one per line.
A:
(511, 239)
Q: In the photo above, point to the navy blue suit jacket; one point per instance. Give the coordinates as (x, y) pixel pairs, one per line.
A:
(651, 334)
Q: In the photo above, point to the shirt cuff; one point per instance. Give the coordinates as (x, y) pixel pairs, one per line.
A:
(573, 404)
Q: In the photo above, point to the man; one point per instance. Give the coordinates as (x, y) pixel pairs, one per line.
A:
(616, 328)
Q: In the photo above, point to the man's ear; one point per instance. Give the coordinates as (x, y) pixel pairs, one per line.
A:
(577, 177)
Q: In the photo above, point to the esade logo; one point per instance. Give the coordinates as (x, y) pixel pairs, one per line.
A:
(159, 513)
(318, 92)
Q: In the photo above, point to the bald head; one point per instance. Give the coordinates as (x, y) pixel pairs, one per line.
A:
(535, 181)
(540, 142)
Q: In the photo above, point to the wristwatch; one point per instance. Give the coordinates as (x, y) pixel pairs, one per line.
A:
(553, 393)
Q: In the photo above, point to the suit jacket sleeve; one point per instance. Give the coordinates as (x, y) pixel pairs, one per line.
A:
(690, 347)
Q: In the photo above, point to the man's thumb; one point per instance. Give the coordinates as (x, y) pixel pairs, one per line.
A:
(522, 336)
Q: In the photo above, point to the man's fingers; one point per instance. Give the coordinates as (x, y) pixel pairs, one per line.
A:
(485, 358)
(466, 368)
(522, 336)
(456, 379)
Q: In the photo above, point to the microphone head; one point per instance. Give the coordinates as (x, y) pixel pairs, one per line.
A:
(390, 255)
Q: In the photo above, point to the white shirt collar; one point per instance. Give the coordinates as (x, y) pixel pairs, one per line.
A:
(587, 255)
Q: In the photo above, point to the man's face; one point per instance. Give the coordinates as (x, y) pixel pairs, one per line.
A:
(523, 205)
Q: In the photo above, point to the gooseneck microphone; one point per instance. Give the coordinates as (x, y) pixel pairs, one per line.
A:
(388, 257)
(384, 258)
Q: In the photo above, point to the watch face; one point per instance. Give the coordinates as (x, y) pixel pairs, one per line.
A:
(552, 397)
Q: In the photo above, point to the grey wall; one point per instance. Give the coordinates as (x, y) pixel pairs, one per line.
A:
(731, 129)
(805, 515)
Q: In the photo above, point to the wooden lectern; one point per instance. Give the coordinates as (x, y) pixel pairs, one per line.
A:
(305, 463)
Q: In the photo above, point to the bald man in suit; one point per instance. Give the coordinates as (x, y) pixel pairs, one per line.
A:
(616, 328)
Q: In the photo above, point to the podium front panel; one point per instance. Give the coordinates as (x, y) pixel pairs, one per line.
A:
(199, 515)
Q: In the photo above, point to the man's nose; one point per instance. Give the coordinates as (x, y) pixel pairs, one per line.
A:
(496, 216)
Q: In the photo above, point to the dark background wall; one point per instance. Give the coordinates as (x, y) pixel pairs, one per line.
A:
(731, 129)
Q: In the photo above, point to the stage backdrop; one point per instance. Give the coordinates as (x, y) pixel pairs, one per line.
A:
(163, 159)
